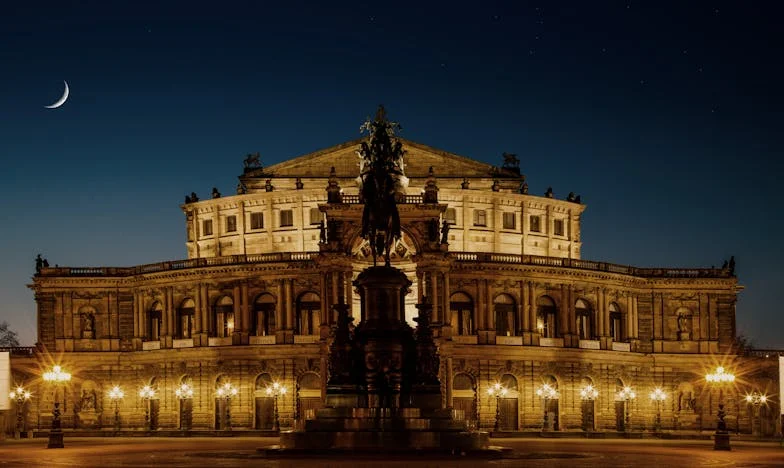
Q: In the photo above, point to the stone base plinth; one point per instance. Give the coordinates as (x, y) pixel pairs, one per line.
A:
(721, 441)
(384, 429)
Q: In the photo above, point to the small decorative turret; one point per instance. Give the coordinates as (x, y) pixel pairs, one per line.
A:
(431, 189)
(549, 192)
(215, 193)
(333, 188)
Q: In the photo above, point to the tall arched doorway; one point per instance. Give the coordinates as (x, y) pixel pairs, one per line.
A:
(308, 395)
(620, 407)
(184, 394)
(264, 404)
(551, 405)
(154, 404)
(508, 413)
(588, 395)
(464, 397)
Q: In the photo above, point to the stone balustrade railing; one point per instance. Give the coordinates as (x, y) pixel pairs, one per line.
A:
(180, 264)
(591, 265)
(18, 351)
(467, 257)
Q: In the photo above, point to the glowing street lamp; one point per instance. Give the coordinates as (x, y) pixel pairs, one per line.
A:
(546, 392)
(498, 391)
(184, 393)
(57, 376)
(116, 394)
(756, 399)
(719, 378)
(275, 390)
(658, 395)
(627, 394)
(588, 394)
(20, 395)
(227, 391)
(147, 393)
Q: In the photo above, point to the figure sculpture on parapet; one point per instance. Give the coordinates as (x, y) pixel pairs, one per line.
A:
(381, 187)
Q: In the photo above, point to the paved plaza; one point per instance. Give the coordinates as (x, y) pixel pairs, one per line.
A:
(241, 451)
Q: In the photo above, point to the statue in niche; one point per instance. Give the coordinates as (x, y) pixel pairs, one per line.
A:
(87, 402)
(88, 326)
(684, 328)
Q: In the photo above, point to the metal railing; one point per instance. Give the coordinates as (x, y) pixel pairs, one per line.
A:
(591, 265)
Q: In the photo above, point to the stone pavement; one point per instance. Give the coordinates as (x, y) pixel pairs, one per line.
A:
(241, 451)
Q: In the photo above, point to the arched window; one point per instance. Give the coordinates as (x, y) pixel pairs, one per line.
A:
(154, 317)
(505, 316)
(223, 318)
(584, 316)
(264, 315)
(308, 308)
(185, 318)
(87, 319)
(509, 382)
(463, 381)
(462, 308)
(546, 317)
(308, 395)
(616, 323)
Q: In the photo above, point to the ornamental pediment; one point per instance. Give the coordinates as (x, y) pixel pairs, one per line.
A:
(418, 160)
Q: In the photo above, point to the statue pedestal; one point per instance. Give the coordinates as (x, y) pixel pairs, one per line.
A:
(721, 440)
(88, 419)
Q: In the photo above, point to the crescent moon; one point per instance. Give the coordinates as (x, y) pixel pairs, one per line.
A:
(62, 100)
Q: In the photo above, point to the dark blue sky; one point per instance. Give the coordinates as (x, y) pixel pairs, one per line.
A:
(665, 117)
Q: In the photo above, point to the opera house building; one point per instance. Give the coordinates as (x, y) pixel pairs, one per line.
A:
(531, 336)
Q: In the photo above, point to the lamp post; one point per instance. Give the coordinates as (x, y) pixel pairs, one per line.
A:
(756, 399)
(658, 395)
(719, 378)
(227, 391)
(627, 394)
(184, 393)
(546, 392)
(588, 394)
(20, 395)
(116, 394)
(147, 393)
(498, 391)
(56, 377)
(275, 390)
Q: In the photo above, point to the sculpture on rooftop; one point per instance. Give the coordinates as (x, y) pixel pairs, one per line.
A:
(382, 156)
(252, 161)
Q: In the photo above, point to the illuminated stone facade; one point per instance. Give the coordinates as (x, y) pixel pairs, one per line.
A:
(513, 303)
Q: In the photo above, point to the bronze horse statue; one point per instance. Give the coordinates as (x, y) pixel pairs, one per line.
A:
(380, 185)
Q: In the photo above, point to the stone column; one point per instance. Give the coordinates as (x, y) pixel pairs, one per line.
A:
(136, 317)
(280, 311)
(239, 324)
(198, 323)
(290, 323)
(449, 381)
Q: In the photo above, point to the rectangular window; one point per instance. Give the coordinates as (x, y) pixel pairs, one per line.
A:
(480, 218)
(534, 224)
(450, 216)
(558, 229)
(315, 216)
(257, 220)
(286, 218)
(509, 220)
(231, 224)
(206, 227)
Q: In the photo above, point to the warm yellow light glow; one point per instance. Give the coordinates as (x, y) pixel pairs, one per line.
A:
(116, 393)
(627, 393)
(589, 392)
(227, 390)
(658, 394)
(19, 393)
(497, 390)
(57, 375)
(147, 392)
(276, 389)
(184, 391)
(720, 375)
(547, 391)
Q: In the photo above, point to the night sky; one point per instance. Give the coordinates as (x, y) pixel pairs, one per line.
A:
(665, 117)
